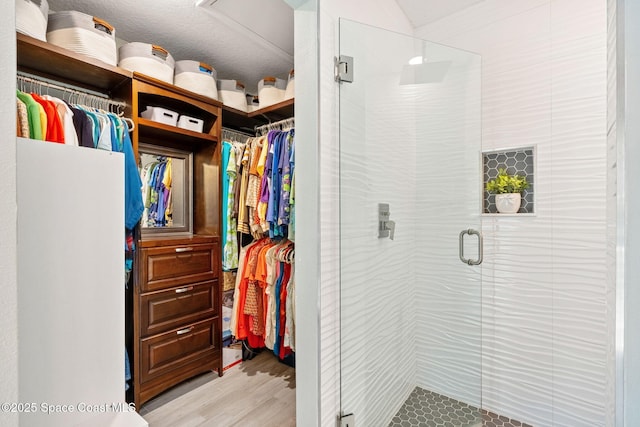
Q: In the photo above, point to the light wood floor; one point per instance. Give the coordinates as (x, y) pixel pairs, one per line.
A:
(260, 392)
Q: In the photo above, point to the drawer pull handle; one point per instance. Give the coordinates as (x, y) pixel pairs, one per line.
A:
(183, 290)
(185, 331)
(180, 250)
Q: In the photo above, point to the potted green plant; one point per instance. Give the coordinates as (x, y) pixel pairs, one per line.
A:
(508, 190)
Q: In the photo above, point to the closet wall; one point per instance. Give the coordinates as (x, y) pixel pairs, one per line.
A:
(8, 217)
(548, 309)
(308, 383)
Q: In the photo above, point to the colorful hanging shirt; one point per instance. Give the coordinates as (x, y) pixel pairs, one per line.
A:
(230, 250)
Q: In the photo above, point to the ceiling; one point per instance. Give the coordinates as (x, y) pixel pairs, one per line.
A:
(244, 40)
(422, 12)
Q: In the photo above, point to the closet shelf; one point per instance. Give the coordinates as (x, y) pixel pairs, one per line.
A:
(56, 63)
(280, 111)
(241, 120)
(159, 86)
(155, 130)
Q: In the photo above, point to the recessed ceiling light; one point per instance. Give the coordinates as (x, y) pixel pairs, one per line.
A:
(416, 60)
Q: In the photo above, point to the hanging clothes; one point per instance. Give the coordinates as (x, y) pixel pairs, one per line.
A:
(42, 114)
(263, 308)
(66, 117)
(83, 127)
(230, 248)
(54, 120)
(133, 205)
(263, 181)
(285, 166)
(22, 118)
(235, 161)
(33, 112)
(292, 199)
(243, 208)
(53, 129)
(226, 152)
(157, 204)
(253, 187)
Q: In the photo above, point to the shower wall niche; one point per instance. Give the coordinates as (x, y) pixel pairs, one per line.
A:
(519, 161)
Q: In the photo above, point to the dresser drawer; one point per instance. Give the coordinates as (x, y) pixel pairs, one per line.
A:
(168, 266)
(173, 350)
(164, 310)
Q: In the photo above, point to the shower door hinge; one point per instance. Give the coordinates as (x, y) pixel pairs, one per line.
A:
(344, 68)
(348, 420)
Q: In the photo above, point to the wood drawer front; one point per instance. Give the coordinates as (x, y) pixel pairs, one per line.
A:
(164, 310)
(170, 266)
(173, 350)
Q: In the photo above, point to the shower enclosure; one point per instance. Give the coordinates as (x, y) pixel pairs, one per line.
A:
(410, 195)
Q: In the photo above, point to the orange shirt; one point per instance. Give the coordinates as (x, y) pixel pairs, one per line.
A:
(261, 278)
(244, 320)
(55, 130)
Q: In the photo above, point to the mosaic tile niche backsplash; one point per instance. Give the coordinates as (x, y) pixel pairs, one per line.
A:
(516, 161)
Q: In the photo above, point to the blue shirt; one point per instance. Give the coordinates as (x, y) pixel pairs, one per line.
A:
(133, 205)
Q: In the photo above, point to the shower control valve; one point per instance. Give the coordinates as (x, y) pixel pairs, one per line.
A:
(386, 227)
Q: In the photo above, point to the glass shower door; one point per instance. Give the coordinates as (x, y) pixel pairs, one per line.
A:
(410, 202)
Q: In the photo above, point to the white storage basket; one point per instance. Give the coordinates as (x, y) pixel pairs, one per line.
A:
(31, 18)
(290, 91)
(160, 115)
(231, 93)
(83, 34)
(149, 59)
(197, 77)
(253, 103)
(271, 91)
(190, 123)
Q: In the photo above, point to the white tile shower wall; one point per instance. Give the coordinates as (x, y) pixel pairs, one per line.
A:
(547, 309)
(385, 14)
(579, 146)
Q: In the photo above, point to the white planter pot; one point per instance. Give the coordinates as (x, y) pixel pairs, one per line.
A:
(508, 202)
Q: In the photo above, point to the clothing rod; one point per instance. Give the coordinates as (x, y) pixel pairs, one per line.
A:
(282, 124)
(42, 81)
(237, 132)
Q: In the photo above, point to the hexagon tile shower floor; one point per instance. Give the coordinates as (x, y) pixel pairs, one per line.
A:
(429, 409)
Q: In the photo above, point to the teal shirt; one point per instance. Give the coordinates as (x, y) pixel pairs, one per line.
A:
(226, 150)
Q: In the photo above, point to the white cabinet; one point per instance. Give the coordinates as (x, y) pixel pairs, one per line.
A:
(71, 285)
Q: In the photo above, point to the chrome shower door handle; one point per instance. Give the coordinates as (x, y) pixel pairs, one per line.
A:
(461, 247)
(480, 247)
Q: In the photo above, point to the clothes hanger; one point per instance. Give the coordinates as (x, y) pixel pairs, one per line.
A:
(129, 122)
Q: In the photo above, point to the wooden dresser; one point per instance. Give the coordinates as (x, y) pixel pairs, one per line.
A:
(177, 312)
(177, 296)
